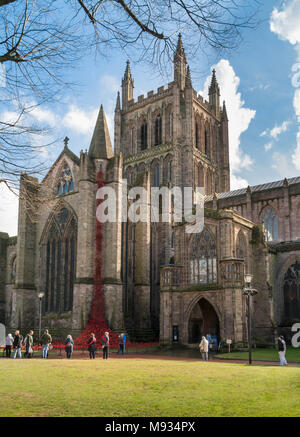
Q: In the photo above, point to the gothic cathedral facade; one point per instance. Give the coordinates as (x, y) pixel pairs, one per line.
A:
(160, 282)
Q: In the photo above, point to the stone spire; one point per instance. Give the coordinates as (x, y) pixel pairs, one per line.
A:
(224, 112)
(118, 105)
(188, 79)
(180, 64)
(127, 86)
(100, 145)
(214, 94)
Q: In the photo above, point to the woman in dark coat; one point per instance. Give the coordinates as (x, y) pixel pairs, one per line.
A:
(69, 346)
(92, 345)
(105, 344)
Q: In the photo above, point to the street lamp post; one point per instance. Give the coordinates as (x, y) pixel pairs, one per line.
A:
(40, 295)
(248, 291)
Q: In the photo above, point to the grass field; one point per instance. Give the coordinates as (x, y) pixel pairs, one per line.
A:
(146, 387)
(292, 355)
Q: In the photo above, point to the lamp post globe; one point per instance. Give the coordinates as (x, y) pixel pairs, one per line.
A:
(40, 296)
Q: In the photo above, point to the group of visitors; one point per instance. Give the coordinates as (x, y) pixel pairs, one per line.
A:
(18, 341)
(104, 341)
(204, 349)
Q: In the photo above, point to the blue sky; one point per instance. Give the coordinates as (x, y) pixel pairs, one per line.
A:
(258, 81)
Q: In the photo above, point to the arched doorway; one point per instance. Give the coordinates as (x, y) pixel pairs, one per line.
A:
(203, 320)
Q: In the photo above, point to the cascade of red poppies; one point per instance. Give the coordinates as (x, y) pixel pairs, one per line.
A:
(97, 322)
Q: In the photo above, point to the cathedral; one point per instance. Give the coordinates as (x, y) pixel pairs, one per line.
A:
(159, 281)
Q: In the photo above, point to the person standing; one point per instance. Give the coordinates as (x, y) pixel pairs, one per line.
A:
(92, 346)
(282, 350)
(124, 342)
(204, 348)
(17, 344)
(9, 341)
(121, 344)
(45, 341)
(105, 345)
(28, 342)
(69, 346)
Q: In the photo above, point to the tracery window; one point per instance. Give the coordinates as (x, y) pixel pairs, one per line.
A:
(13, 269)
(206, 145)
(158, 131)
(291, 292)
(156, 175)
(270, 225)
(59, 246)
(144, 136)
(203, 258)
(197, 134)
(66, 183)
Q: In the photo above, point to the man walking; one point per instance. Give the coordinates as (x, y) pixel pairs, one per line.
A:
(45, 341)
(282, 350)
(17, 344)
(28, 344)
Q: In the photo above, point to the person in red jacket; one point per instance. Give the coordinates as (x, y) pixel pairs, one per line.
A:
(105, 344)
(92, 345)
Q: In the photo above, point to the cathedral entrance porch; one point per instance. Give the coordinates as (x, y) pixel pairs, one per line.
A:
(203, 321)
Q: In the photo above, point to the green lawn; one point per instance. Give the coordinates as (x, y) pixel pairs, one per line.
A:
(292, 355)
(146, 387)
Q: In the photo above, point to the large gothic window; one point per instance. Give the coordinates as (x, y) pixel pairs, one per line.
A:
(158, 131)
(59, 246)
(156, 175)
(291, 292)
(203, 258)
(144, 136)
(270, 225)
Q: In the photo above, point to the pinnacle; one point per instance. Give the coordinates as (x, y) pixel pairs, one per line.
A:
(101, 145)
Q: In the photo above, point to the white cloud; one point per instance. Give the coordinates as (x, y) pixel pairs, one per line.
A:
(79, 120)
(276, 130)
(285, 23)
(8, 211)
(283, 165)
(44, 116)
(239, 118)
(268, 146)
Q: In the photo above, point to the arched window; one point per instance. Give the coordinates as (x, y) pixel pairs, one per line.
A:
(59, 246)
(172, 240)
(144, 136)
(66, 183)
(203, 258)
(206, 145)
(291, 292)
(271, 225)
(241, 249)
(156, 175)
(197, 134)
(158, 131)
(13, 269)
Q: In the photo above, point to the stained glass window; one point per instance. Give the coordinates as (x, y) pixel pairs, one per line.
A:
(66, 183)
(158, 131)
(144, 136)
(60, 255)
(291, 292)
(203, 258)
(270, 225)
